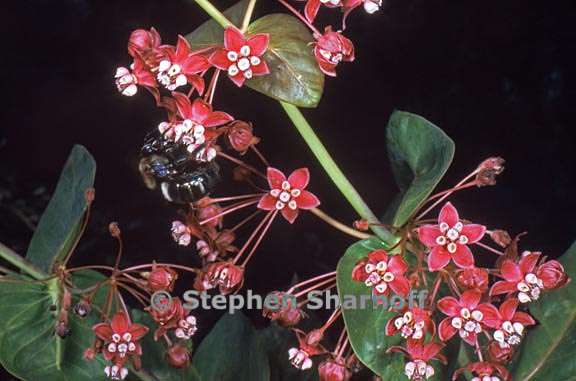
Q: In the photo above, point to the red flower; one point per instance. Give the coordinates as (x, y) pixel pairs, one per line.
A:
(449, 240)
(196, 126)
(499, 354)
(527, 279)
(288, 195)
(370, 6)
(332, 48)
(484, 371)
(179, 66)
(313, 6)
(285, 310)
(240, 136)
(334, 369)
(167, 318)
(227, 276)
(509, 324)
(120, 339)
(419, 369)
(178, 356)
(144, 44)
(127, 81)
(383, 272)
(241, 57)
(474, 278)
(308, 346)
(161, 278)
(413, 324)
(465, 316)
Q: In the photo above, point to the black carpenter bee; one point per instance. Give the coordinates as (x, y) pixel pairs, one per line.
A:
(169, 165)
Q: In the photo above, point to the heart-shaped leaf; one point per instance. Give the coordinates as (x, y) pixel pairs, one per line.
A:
(294, 74)
(366, 320)
(549, 349)
(420, 154)
(232, 352)
(29, 349)
(60, 224)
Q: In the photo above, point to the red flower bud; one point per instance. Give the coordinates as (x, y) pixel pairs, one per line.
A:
(161, 278)
(499, 354)
(361, 225)
(332, 48)
(474, 279)
(334, 370)
(552, 275)
(500, 237)
(488, 170)
(206, 211)
(178, 356)
(114, 229)
(240, 136)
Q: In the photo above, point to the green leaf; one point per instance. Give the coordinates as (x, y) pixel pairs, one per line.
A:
(420, 154)
(294, 73)
(211, 33)
(365, 326)
(153, 357)
(60, 224)
(232, 352)
(549, 349)
(29, 349)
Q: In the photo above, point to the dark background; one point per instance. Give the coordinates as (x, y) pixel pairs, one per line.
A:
(498, 77)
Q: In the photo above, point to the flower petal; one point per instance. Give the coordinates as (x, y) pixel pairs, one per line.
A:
(307, 200)
(390, 327)
(299, 178)
(449, 305)
(523, 318)
(502, 287)
(528, 262)
(446, 330)
(449, 215)
(103, 331)
(267, 202)
(438, 258)
(463, 257)
(491, 316)
(195, 64)
(470, 299)
(183, 105)
(238, 79)
(182, 49)
(120, 323)
(258, 43)
(473, 232)
(290, 214)
(200, 110)
(217, 118)
(511, 271)
(138, 331)
(311, 10)
(508, 309)
(359, 274)
(220, 59)
(376, 256)
(233, 39)
(260, 69)
(400, 285)
(428, 235)
(431, 350)
(471, 338)
(275, 178)
(397, 265)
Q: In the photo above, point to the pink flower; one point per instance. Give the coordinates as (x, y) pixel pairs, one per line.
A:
(420, 354)
(332, 48)
(288, 195)
(473, 278)
(509, 324)
(127, 80)
(413, 324)
(179, 66)
(382, 273)
(449, 239)
(465, 316)
(241, 57)
(527, 279)
(313, 6)
(308, 346)
(161, 278)
(226, 275)
(145, 44)
(334, 369)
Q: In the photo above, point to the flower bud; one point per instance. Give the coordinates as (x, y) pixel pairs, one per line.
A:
(207, 211)
(314, 337)
(488, 170)
(114, 229)
(500, 237)
(62, 329)
(552, 275)
(282, 308)
(89, 354)
(332, 48)
(240, 136)
(181, 233)
(161, 278)
(178, 356)
(334, 370)
(361, 225)
(499, 354)
(474, 279)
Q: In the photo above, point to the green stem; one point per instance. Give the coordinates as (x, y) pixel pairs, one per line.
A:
(248, 15)
(316, 146)
(330, 166)
(214, 13)
(11, 257)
